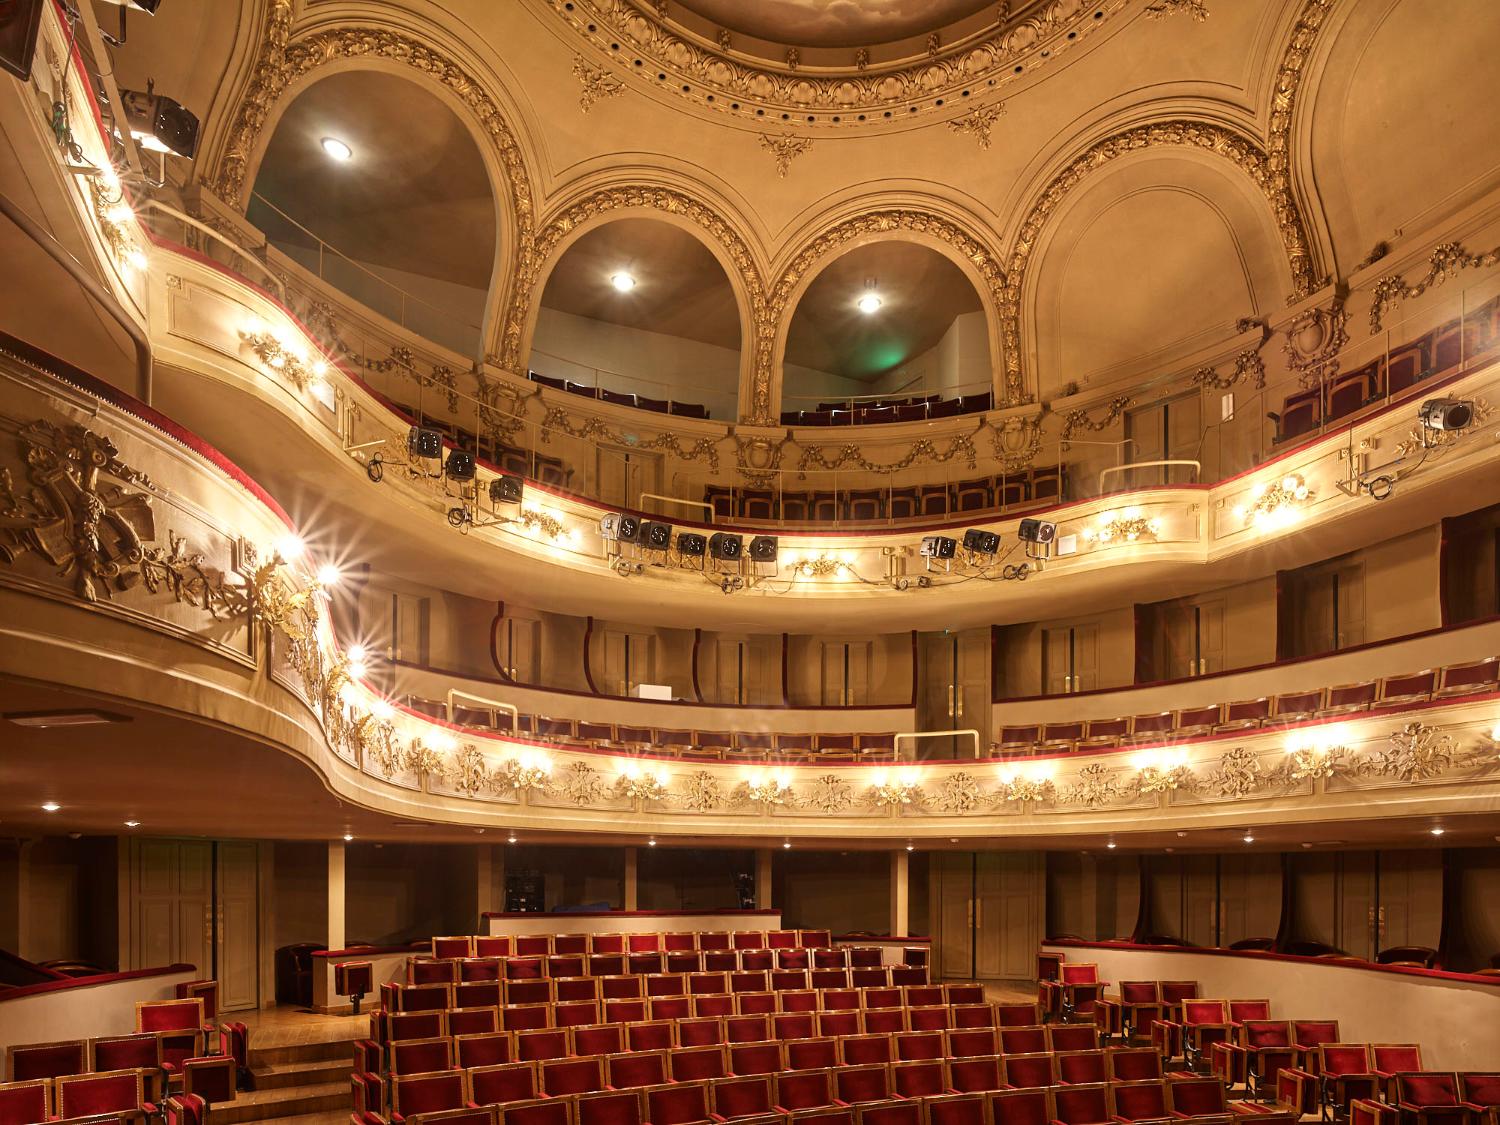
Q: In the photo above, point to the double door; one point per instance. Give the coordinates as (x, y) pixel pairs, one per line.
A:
(987, 909)
(195, 902)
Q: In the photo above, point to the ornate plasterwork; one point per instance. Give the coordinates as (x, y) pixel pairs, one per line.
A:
(1314, 340)
(1076, 420)
(597, 84)
(785, 149)
(1447, 261)
(1239, 149)
(559, 418)
(978, 122)
(1163, 8)
(921, 450)
(702, 70)
(1247, 363)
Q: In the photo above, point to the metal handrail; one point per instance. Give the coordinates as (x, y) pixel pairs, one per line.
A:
(704, 504)
(217, 236)
(1197, 468)
(911, 736)
(491, 705)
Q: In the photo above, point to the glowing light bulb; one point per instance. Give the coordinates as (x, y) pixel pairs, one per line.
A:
(290, 548)
(348, 836)
(329, 575)
(869, 304)
(622, 282)
(51, 806)
(336, 149)
(359, 653)
(382, 709)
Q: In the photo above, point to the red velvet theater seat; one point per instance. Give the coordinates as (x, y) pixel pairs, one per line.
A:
(1481, 1092)
(213, 1078)
(482, 1050)
(810, 1053)
(732, 1098)
(1082, 1105)
(700, 1032)
(421, 1056)
(1019, 1107)
(1197, 1098)
(133, 1052)
(1390, 1059)
(970, 1042)
(1430, 1099)
(119, 1092)
(857, 1084)
(1027, 1072)
(677, 1104)
(804, 1089)
(975, 1075)
(32, 1061)
(427, 1093)
(460, 946)
(699, 1064)
(1348, 1072)
(956, 1109)
(1133, 1064)
(609, 1107)
(543, 1111)
(919, 1079)
(1017, 1015)
(652, 1035)
(859, 1050)
(482, 1116)
(635, 1069)
(897, 1112)
(561, 1077)
(24, 1103)
(1023, 1040)
(1139, 1101)
(502, 1084)
(1076, 1068)
(754, 1058)
(599, 1039)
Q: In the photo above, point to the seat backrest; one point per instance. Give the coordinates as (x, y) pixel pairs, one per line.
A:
(502, 1082)
(1130, 1064)
(1268, 1033)
(1344, 1058)
(421, 1056)
(1019, 1107)
(126, 1052)
(1197, 1097)
(1076, 972)
(599, 1039)
(698, 1064)
(111, 1091)
(742, 1097)
(677, 1104)
(754, 1058)
(1480, 1088)
(1140, 991)
(809, 1053)
(169, 1015)
(975, 1075)
(854, 1084)
(956, 1109)
(920, 1079)
(22, 1103)
(1140, 1101)
(32, 1061)
(1391, 1057)
(542, 1043)
(1176, 991)
(561, 1077)
(1313, 1033)
(1241, 1010)
(1072, 1037)
(482, 1050)
(1204, 1012)
(1084, 1104)
(539, 1111)
(609, 1107)
(1427, 1089)
(1075, 1067)
(855, 1050)
(1030, 1071)
(1023, 1040)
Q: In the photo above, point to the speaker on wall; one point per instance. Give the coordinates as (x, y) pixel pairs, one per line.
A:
(19, 21)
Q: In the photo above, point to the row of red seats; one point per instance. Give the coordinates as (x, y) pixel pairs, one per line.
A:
(794, 1050)
(919, 1094)
(429, 970)
(541, 945)
(93, 1098)
(1434, 1098)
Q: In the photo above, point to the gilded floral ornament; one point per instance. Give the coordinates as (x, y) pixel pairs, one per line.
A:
(701, 792)
(641, 783)
(1024, 788)
(1163, 8)
(1128, 525)
(1239, 773)
(285, 355)
(830, 794)
(581, 784)
(922, 450)
(1164, 773)
(597, 84)
(1075, 421)
(530, 772)
(1276, 504)
(468, 772)
(767, 791)
(894, 792)
(958, 794)
(1416, 752)
(1315, 763)
(1095, 787)
(1247, 363)
(1437, 442)
(1315, 340)
(785, 149)
(978, 123)
(561, 419)
(1447, 261)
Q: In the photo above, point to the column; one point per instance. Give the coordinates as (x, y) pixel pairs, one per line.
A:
(336, 895)
(900, 894)
(632, 859)
(763, 879)
(14, 864)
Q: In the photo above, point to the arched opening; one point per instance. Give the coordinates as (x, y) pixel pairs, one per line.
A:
(890, 331)
(641, 313)
(373, 183)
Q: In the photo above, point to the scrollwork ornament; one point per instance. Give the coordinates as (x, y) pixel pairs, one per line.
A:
(597, 84)
(1239, 774)
(1416, 752)
(1016, 441)
(468, 772)
(829, 793)
(701, 792)
(1447, 261)
(979, 122)
(1163, 8)
(1094, 787)
(1247, 363)
(785, 149)
(581, 784)
(959, 793)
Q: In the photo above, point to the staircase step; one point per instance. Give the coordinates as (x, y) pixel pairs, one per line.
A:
(320, 1051)
(279, 1104)
(302, 1072)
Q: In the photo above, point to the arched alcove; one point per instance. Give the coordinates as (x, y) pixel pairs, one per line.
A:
(927, 336)
(407, 224)
(1401, 129)
(670, 335)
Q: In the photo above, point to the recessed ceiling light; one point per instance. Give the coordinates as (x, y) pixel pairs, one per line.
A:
(51, 806)
(510, 839)
(337, 150)
(77, 717)
(348, 836)
(1111, 845)
(132, 824)
(1438, 831)
(787, 844)
(651, 843)
(622, 282)
(869, 304)
(1182, 835)
(1249, 838)
(911, 847)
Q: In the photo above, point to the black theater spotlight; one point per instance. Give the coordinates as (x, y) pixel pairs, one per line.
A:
(725, 546)
(656, 536)
(1036, 531)
(460, 466)
(1446, 414)
(938, 547)
(620, 528)
(691, 545)
(159, 123)
(763, 548)
(981, 542)
(507, 489)
(424, 443)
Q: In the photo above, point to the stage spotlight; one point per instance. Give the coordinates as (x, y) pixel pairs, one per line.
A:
(460, 465)
(507, 490)
(421, 442)
(726, 547)
(981, 542)
(1036, 531)
(656, 536)
(159, 123)
(691, 545)
(1446, 414)
(938, 547)
(620, 528)
(763, 548)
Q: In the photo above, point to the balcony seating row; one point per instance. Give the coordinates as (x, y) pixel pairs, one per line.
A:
(622, 398)
(1041, 485)
(689, 745)
(851, 413)
(551, 471)
(818, 943)
(1440, 352)
(1249, 714)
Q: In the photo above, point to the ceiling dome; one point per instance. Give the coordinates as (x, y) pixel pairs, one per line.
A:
(839, 23)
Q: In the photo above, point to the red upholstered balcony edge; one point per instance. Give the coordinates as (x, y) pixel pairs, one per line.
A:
(360, 951)
(1436, 630)
(628, 913)
(1424, 390)
(1254, 955)
(83, 381)
(90, 982)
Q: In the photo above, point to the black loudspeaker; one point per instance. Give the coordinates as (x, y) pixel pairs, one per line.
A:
(763, 549)
(657, 536)
(1036, 531)
(19, 22)
(981, 542)
(939, 547)
(461, 465)
(625, 529)
(424, 443)
(507, 490)
(691, 545)
(160, 124)
(726, 547)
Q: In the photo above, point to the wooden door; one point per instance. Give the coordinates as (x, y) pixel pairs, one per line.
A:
(1146, 429)
(1007, 914)
(1358, 899)
(1410, 911)
(1200, 899)
(518, 646)
(972, 687)
(237, 918)
(1057, 661)
(952, 882)
(410, 617)
(1349, 597)
(729, 671)
(1085, 657)
(1208, 627)
(1249, 897)
(1184, 434)
(172, 904)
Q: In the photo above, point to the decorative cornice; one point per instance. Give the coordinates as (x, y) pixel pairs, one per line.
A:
(1163, 8)
(703, 70)
(597, 84)
(1248, 362)
(1447, 261)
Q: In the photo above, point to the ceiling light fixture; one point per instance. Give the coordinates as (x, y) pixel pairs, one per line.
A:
(348, 836)
(911, 847)
(651, 843)
(622, 282)
(511, 839)
(1111, 845)
(337, 150)
(132, 824)
(51, 806)
(786, 844)
(1249, 837)
(1438, 831)
(869, 304)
